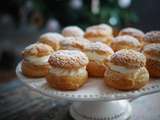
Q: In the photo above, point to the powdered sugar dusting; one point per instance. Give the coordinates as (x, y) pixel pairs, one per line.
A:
(133, 31)
(74, 42)
(101, 29)
(68, 58)
(130, 58)
(152, 36)
(72, 31)
(37, 49)
(99, 46)
(52, 36)
(36, 46)
(126, 39)
(152, 47)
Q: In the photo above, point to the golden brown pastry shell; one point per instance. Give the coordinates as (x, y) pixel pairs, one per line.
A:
(152, 37)
(152, 50)
(32, 70)
(153, 67)
(37, 49)
(54, 44)
(95, 70)
(65, 83)
(133, 32)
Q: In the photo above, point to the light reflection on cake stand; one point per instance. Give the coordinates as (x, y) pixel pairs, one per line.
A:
(94, 101)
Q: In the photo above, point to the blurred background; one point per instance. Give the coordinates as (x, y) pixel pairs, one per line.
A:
(22, 21)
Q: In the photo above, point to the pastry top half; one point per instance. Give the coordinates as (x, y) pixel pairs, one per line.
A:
(152, 51)
(133, 32)
(72, 31)
(100, 30)
(74, 43)
(37, 54)
(51, 39)
(99, 48)
(37, 49)
(69, 59)
(128, 59)
(126, 40)
(152, 37)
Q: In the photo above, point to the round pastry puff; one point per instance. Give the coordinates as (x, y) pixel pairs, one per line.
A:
(51, 39)
(72, 31)
(101, 32)
(98, 53)
(126, 70)
(68, 70)
(152, 53)
(35, 60)
(152, 37)
(125, 42)
(74, 43)
(134, 32)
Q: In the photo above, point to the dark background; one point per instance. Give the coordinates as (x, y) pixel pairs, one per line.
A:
(149, 14)
(21, 23)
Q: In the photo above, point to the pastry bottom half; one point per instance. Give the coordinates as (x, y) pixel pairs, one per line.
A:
(126, 81)
(32, 70)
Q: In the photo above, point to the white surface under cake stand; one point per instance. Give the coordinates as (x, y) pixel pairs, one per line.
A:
(94, 101)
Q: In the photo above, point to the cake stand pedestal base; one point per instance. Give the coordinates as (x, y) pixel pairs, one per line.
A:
(113, 110)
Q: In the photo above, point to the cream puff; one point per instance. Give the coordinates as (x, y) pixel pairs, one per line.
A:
(126, 70)
(152, 53)
(125, 42)
(101, 32)
(51, 39)
(35, 60)
(133, 32)
(97, 54)
(68, 70)
(72, 31)
(73, 43)
(152, 37)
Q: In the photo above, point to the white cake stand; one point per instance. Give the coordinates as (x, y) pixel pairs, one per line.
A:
(94, 101)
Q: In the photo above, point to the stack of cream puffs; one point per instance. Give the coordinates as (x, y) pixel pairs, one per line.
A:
(66, 60)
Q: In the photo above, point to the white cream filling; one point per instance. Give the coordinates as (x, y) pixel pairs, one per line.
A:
(38, 60)
(121, 69)
(96, 57)
(131, 73)
(152, 58)
(67, 72)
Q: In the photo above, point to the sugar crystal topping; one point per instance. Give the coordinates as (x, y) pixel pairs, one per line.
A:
(68, 58)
